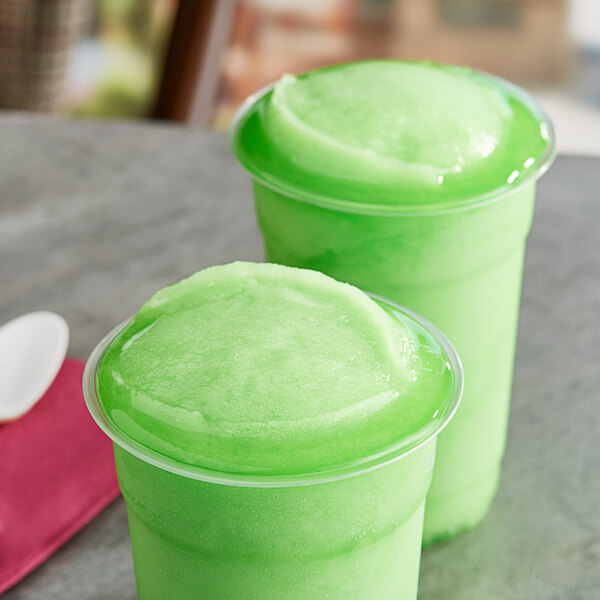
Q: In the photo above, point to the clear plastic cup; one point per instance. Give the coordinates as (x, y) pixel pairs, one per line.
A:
(461, 268)
(350, 532)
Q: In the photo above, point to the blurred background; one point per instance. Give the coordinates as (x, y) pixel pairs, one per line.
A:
(195, 61)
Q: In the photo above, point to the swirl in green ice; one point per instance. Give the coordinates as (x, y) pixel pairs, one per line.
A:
(392, 134)
(260, 368)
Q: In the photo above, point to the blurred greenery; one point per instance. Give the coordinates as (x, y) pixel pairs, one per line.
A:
(125, 56)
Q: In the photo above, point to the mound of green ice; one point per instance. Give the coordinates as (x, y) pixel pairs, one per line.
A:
(390, 118)
(257, 367)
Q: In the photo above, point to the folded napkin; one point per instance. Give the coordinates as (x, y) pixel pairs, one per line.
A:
(56, 473)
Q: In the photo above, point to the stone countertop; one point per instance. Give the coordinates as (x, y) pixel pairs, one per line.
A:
(96, 216)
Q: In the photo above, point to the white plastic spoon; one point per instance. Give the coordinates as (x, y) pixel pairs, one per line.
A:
(32, 350)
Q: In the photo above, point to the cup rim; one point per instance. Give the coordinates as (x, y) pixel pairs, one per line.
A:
(342, 205)
(381, 458)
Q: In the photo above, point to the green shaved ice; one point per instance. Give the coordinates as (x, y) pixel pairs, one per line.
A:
(392, 136)
(403, 119)
(263, 368)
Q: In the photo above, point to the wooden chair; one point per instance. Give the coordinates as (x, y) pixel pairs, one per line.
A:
(190, 78)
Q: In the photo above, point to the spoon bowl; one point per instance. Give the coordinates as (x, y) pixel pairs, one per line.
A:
(32, 350)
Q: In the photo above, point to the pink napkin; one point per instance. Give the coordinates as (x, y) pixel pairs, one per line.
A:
(56, 473)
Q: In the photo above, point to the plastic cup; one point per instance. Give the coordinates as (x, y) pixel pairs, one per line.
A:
(351, 532)
(460, 268)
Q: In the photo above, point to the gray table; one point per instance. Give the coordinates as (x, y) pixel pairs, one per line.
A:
(95, 217)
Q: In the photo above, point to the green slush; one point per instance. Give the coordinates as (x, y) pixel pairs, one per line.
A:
(415, 181)
(274, 435)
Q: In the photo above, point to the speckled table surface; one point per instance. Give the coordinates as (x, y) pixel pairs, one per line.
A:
(94, 217)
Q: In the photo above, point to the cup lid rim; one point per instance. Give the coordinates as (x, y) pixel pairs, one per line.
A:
(307, 196)
(385, 456)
